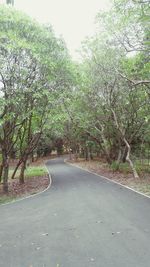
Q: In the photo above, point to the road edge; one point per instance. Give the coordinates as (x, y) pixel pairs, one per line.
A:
(33, 195)
(108, 179)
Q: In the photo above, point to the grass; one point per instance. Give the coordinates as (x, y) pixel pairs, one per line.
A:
(6, 199)
(31, 171)
(125, 168)
(35, 171)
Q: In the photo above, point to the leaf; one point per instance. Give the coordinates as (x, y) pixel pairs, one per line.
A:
(45, 234)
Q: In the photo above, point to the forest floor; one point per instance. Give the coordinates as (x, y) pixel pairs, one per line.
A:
(99, 167)
(36, 180)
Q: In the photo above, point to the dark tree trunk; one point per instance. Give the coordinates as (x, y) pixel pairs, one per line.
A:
(32, 156)
(87, 153)
(124, 155)
(119, 157)
(91, 154)
(5, 173)
(21, 177)
(15, 170)
(1, 172)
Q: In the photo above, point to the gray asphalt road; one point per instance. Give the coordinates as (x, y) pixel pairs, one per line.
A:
(81, 221)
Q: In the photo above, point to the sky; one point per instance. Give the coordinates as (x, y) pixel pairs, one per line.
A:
(72, 19)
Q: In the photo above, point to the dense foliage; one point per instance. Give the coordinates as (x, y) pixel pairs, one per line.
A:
(34, 72)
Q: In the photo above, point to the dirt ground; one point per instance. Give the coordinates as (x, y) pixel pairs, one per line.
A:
(31, 186)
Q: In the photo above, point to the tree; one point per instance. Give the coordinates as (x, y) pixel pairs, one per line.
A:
(117, 113)
(33, 74)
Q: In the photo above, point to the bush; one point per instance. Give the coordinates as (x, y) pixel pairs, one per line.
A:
(122, 167)
(114, 166)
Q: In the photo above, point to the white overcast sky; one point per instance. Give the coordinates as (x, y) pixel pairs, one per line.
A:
(73, 19)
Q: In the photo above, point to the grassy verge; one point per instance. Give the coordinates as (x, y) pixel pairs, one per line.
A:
(35, 171)
(142, 169)
(30, 171)
(6, 199)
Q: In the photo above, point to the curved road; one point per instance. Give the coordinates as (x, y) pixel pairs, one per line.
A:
(82, 221)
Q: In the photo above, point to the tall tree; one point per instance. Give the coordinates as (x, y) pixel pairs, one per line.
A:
(34, 67)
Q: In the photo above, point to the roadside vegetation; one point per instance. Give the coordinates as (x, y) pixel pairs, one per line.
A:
(96, 109)
(36, 180)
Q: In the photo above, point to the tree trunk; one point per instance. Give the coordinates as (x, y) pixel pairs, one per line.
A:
(87, 153)
(124, 155)
(129, 160)
(5, 173)
(32, 156)
(91, 154)
(21, 177)
(15, 170)
(119, 156)
(1, 172)
(135, 174)
(105, 148)
(104, 144)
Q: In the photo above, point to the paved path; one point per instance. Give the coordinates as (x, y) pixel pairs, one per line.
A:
(81, 221)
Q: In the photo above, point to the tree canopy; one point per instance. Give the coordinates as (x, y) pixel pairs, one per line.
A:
(34, 72)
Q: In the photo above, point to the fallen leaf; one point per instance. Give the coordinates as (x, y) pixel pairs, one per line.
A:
(45, 234)
(113, 233)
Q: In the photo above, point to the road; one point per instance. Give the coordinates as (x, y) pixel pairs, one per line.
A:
(82, 221)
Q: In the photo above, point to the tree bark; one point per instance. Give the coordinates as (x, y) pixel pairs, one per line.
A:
(119, 156)
(1, 172)
(87, 154)
(16, 168)
(104, 146)
(129, 160)
(135, 174)
(124, 155)
(21, 177)
(5, 173)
